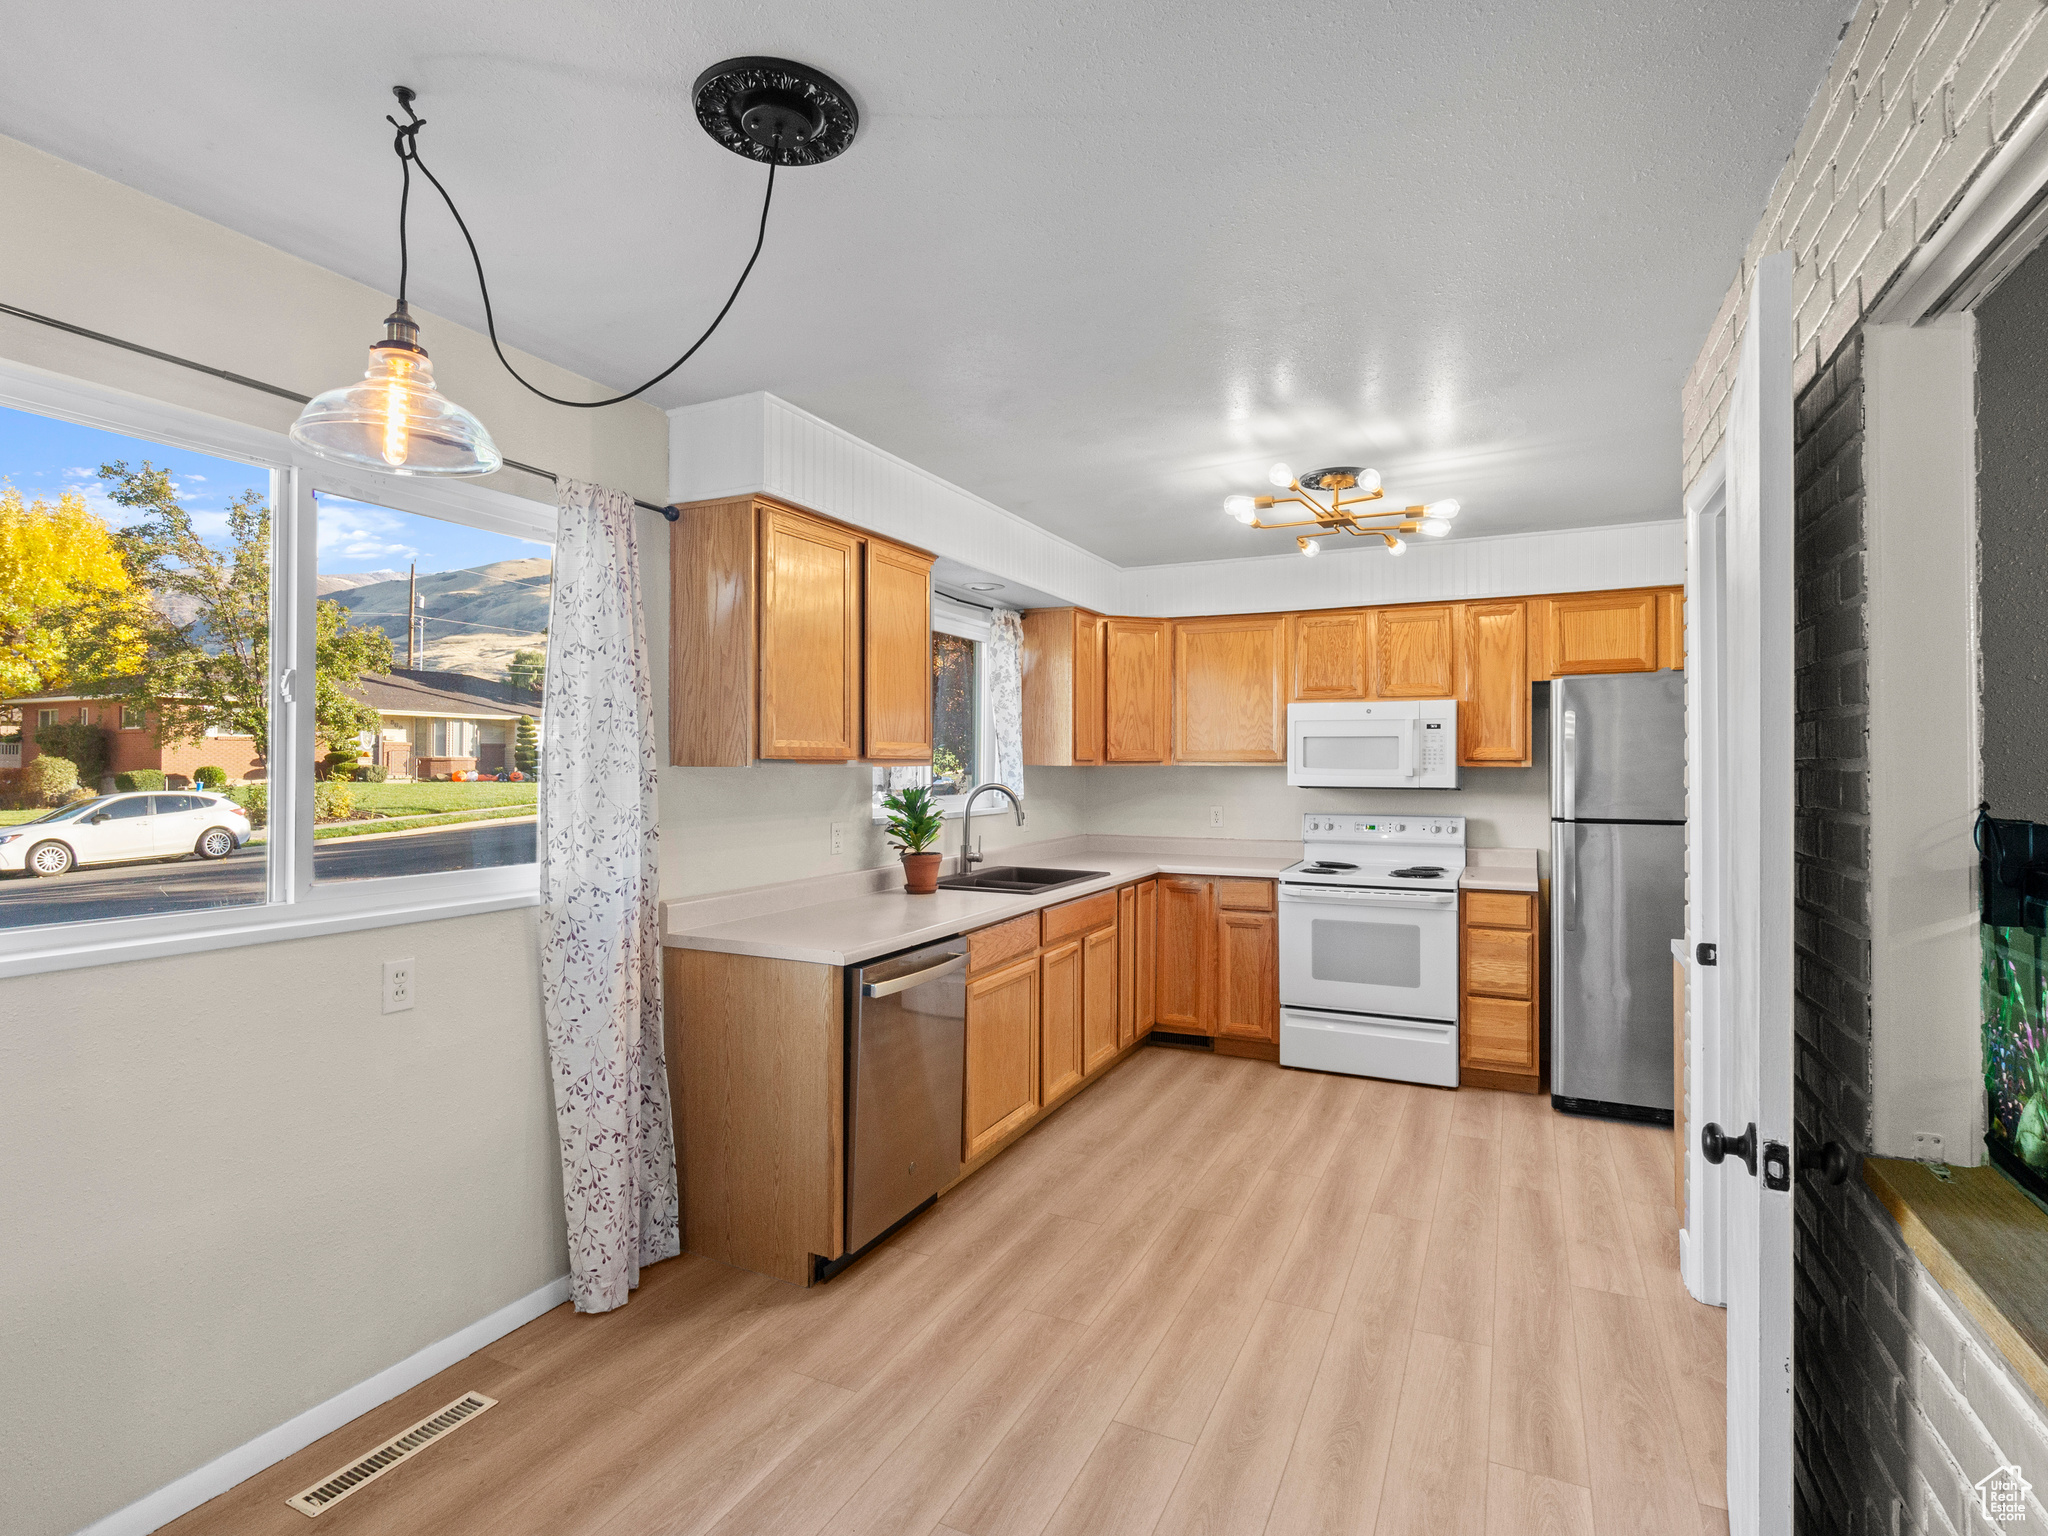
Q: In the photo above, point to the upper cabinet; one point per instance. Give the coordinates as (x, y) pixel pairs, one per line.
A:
(1591, 632)
(1415, 652)
(1230, 690)
(1330, 655)
(1063, 686)
(1137, 691)
(794, 637)
(1493, 691)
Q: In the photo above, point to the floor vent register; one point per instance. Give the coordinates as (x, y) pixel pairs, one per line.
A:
(335, 1487)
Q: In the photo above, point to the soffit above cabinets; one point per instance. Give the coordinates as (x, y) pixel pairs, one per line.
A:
(1076, 262)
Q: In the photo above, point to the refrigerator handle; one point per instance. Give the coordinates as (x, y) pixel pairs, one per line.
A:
(1569, 768)
(1568, 846)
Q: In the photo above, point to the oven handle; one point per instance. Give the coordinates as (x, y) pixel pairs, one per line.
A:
(1443, 900)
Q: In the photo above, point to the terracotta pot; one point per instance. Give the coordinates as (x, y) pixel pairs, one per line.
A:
(921, 873)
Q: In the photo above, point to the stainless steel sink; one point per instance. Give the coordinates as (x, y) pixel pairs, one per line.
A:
(1018, 880)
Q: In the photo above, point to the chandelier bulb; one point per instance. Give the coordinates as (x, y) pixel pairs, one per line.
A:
(1368, 480)
(1280, 475)
(1434, 527)
(1397, 546)
(1243, 508)
(1308, 545)
(1445, 509)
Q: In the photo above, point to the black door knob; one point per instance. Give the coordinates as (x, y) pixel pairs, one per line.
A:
(1828, 1160)
(1715, 1144)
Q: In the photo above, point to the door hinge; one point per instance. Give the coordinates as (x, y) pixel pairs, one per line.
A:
(1706, 954)
(1777, 1165)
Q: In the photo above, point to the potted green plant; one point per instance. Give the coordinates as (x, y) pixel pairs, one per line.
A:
(914, 824)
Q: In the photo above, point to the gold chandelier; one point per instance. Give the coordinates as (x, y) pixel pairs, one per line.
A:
(1342, 514)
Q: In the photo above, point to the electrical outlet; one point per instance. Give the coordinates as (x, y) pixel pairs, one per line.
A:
(1927, 1147)
(1215, 815)
(838, 838)
(398, 990)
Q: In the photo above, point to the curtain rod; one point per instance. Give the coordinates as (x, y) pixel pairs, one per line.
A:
(248, 383)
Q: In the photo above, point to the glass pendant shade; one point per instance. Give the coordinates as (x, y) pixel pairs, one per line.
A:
(394, 419)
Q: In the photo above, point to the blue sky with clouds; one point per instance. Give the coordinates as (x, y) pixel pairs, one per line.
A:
(42, 456)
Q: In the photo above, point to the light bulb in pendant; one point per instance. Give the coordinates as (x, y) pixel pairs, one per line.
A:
(1445, 509)
(1433, 527)
(1243, 508)
(394, 419)
(1281, 476)
(1308, 545)
(1397, 546)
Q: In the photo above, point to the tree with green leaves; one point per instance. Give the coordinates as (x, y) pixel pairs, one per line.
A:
(205, 662)
(526, 746)
(526, 670)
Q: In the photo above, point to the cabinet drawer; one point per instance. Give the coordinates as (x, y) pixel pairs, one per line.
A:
(1500, 962)
(1244, 895)
(1083, 916)
(990, 947)
(1500, 909)
(1499, 1034)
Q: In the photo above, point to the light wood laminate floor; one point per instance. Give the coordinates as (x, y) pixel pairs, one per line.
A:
(1208, 1295)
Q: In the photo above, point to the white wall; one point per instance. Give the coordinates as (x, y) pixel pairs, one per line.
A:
(233, 1188)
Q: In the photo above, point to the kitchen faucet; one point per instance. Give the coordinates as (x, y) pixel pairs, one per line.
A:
(968, 857)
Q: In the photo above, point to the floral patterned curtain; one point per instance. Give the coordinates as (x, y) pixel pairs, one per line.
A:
(1006, 694)
(600, 935)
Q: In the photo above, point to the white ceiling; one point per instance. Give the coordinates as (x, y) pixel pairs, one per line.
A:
(1099, 265)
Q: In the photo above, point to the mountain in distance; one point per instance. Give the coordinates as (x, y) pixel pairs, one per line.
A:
(474, 618)
(327, 586)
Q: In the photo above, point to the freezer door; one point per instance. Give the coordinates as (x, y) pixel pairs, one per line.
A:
(1618, 900)
(1617, 747)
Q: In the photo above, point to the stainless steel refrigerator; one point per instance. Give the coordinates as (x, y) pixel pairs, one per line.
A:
(1617, 874)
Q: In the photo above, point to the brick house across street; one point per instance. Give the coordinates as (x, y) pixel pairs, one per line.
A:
(431, 724)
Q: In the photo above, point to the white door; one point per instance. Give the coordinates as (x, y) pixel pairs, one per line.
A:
(120, 829)
(1755, 946)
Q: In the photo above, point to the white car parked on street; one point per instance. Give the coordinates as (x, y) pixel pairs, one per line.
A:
(116, 828)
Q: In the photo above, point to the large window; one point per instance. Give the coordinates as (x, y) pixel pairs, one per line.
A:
(963, 748)
(218, 733)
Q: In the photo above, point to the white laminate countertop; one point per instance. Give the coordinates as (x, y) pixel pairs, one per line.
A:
(859, 927)
(1500, 869)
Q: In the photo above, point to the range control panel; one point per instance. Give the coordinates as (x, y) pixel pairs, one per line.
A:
(1323, 827)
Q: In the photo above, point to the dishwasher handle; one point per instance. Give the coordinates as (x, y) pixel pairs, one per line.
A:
(914, 979)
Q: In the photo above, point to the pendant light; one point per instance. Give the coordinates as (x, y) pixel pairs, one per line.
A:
(1341, 513)
(394, 419)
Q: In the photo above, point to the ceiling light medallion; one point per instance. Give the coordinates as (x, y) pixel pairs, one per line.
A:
(1341, 513)
(771, 111)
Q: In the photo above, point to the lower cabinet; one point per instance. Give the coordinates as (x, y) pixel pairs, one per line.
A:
(1499, 1035)
(1059, 1029)
(1127, 965)
(1217, 963)
(1148, 955)
(1187, 948)
(1248, 976)
(1099, 984)
(1002, 1055)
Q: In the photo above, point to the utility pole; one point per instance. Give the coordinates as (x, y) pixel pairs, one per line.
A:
(412, 608)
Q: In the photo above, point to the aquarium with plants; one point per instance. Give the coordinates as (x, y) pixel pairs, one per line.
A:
(2013, 856)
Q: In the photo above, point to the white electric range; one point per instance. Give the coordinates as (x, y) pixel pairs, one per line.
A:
(1369, 947)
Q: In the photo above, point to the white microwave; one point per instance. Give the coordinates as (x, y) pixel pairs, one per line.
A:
(1382, 744)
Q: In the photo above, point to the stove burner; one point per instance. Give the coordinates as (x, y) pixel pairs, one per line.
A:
(1421, 872)
(1327, 866)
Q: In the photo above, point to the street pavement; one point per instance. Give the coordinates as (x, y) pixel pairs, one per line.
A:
(130, 890)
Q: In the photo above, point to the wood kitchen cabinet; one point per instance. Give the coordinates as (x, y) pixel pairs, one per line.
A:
(1230, 690)
(1127, 965)
(794, 637)
(1137, 691)
(1493, 689)
(1099, 987)
(1187, 947)
(1499, 1036)
(1330, 655)
(1218, 966)
(1002, 1091)
(1063, 687)
(1248, 976)
(1059, 1015)
(1598, 632)
(1415, 652)
(1148, 955)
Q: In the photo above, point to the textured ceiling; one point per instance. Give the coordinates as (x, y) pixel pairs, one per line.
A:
(1100, 265)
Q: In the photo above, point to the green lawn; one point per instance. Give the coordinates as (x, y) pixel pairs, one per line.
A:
(15, 818)
(365, 828)
(435, 799)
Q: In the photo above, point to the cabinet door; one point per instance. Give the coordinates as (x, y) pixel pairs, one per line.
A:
(1126, 966)
(1230, 690)
(1671, 629)
(1330, 655)
(1500, 962)
(1138, 700)
(1098, 999)
(1493, 710)
(1248, 975)
(1148, 954)
(810, 639)
(1088, 686)
(898, 670)
(1498, 1034)
(1059, 1016)
(1002, 1055)
(1603, 632)
(1415, 651)
(1185, 978)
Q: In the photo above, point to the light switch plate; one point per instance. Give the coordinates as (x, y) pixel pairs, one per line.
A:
(398, 987)
(838, 838)
(1215, 815)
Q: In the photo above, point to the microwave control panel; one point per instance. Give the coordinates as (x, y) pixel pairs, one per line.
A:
(1350, 827)
(1436, 747)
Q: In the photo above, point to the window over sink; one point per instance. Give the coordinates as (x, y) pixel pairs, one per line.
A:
(963, 740)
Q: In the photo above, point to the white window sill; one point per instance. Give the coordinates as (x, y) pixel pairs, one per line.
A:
(339, 908)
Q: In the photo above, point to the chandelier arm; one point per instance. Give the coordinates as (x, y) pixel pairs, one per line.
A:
(409, 151)
(1306, 522)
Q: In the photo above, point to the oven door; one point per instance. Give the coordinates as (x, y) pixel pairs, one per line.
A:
(1351, 751)
(1369, 950)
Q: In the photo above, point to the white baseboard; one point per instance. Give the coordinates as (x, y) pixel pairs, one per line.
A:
(267, 1449)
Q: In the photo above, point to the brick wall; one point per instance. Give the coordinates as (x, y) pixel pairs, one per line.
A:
(1920, 95)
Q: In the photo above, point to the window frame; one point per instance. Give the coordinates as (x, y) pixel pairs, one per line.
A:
(293, 906)
(949, 617)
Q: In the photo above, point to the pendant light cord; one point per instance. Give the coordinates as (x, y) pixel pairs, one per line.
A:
(407, 147)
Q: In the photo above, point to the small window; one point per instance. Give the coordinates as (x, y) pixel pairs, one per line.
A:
(963, 744)
(46, 717)
(131, 717)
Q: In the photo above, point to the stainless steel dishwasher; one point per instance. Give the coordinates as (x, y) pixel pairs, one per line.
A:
(906, 1056)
